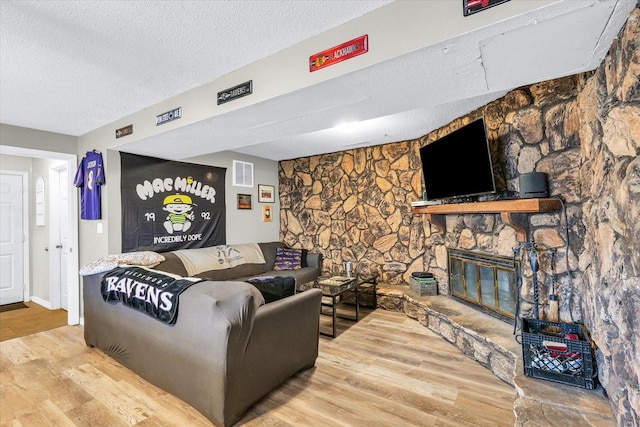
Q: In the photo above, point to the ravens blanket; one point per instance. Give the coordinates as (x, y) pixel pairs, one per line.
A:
(152, 292)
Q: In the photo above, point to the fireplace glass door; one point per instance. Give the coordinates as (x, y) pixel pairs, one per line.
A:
(484, 280)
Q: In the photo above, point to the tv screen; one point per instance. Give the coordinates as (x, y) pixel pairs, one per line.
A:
(458, 164)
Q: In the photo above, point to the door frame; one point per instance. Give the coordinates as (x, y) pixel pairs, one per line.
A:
(55, 280)
(73, 314)
(26, 249)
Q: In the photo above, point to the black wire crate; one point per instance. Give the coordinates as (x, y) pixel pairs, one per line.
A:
(560, 352)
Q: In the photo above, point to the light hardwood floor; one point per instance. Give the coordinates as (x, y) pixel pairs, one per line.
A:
(27, 321)
(386, 370)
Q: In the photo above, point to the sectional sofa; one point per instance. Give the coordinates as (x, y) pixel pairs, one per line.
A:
(227, 349)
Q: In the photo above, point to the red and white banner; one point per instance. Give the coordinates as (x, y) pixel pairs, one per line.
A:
(339, 53)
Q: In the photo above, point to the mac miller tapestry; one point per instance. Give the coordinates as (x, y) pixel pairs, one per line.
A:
(170, 205)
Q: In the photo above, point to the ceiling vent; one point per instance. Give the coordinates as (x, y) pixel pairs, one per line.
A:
(242, 174)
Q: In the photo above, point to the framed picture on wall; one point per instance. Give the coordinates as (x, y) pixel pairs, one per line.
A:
(266, 193)
(244, 201)
(267, 214)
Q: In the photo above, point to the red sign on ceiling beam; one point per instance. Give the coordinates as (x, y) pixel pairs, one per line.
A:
(470, 7)
(339, 53)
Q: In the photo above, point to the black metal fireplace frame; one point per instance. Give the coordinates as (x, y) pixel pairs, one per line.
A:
(496, 262)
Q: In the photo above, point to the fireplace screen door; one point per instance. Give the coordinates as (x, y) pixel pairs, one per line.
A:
(485, 280)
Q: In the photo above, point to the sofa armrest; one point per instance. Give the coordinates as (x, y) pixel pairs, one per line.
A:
(290, 327)
(284, 341)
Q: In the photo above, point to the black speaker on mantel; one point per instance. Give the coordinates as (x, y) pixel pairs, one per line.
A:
(533, 185)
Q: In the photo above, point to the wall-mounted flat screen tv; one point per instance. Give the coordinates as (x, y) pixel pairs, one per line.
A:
(458, 164)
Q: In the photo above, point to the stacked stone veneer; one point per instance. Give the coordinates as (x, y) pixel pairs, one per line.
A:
(582, 130)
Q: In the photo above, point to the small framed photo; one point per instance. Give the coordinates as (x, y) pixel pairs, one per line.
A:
(244, 201)
(267, 214)
(266, 193)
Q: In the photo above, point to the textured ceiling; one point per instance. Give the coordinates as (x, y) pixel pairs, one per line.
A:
(72, 67)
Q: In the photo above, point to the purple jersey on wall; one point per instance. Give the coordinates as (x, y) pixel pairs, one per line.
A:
(90, 177)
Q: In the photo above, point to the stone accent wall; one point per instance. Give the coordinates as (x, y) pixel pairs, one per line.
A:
(355, 206)
(608, 114)
(582, 130)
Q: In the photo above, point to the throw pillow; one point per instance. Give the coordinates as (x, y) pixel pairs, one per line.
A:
(288, 259)
(109, 262)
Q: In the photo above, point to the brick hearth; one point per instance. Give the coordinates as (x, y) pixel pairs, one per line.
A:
(491, 342)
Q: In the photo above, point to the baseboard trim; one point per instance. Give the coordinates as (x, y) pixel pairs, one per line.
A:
(40, 301)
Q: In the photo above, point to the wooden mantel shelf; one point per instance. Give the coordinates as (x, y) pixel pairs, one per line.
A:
(506, 208)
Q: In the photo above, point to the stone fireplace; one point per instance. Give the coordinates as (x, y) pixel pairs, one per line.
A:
(582, 130)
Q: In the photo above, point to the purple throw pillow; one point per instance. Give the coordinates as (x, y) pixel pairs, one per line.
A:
(288, 259)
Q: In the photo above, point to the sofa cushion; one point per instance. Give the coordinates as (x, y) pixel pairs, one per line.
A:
(174, 265)
(269, 252)
(288, 259)
(219, 257)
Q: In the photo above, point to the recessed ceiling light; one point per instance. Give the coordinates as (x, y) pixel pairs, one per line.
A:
(348, 127)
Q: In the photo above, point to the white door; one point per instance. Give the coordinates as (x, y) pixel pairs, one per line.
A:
(63, 176)
(60, 237)
(11, 239)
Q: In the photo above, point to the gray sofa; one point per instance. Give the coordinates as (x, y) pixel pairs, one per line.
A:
(226, 350)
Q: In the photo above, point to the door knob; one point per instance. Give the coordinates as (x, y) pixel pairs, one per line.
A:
(58, 246)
